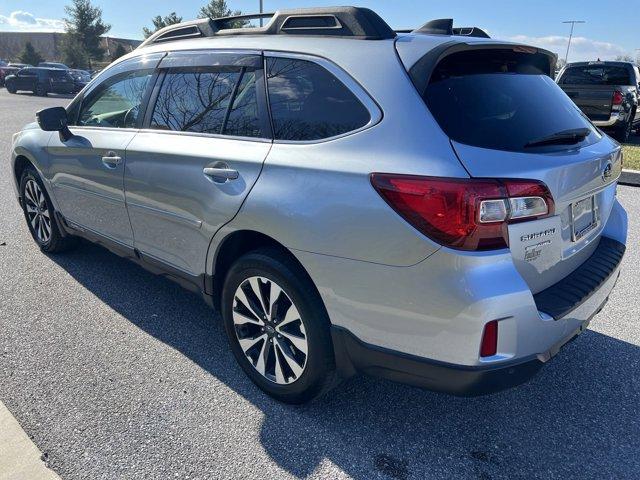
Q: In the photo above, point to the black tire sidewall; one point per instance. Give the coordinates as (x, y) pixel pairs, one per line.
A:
(624, 132)
(319, 367)
(41, 90)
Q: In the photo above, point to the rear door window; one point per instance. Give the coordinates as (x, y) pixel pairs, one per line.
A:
(309, 103)
(596, 75)
(211, 100)
(500, 101)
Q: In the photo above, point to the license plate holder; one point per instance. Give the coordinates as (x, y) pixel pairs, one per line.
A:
(584, 218)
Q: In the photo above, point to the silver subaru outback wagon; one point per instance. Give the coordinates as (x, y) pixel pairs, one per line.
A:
(425, 206)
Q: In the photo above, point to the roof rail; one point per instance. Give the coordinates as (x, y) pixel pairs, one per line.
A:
(346, 22)
(444, 26)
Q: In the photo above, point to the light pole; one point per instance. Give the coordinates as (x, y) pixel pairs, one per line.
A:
(572, 22)
(260, 12)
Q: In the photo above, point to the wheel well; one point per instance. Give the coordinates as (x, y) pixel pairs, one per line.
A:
(233, 247)
(21, 163)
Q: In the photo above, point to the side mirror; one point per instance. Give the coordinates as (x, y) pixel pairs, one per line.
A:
(54, 119)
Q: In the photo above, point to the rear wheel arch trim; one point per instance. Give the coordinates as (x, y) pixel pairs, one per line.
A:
(231, 246)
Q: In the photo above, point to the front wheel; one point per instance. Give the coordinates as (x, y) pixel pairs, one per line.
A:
(40, 91)
(39, 213)
(278, 327)
(10, 89)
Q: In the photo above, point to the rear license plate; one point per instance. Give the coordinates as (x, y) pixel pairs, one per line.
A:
(583, 218)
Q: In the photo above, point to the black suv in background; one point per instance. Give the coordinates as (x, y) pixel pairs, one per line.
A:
(607, 92)
(40, 81)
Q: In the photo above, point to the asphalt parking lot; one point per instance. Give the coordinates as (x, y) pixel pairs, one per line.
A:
(116, 373)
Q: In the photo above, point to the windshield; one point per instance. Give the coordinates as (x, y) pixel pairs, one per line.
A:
(504, 111)
(596, 75)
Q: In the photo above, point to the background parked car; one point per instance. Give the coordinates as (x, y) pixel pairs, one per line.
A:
(53, 65)
(607, 92)
(19, 65)
(40, 81)
(80, 78)
(5, 70)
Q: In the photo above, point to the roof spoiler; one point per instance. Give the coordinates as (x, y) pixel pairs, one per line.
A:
(444, 26)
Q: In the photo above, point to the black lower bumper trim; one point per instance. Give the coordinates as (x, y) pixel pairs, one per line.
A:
(353, 355)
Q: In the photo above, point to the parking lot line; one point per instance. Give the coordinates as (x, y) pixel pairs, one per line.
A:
(20, 458)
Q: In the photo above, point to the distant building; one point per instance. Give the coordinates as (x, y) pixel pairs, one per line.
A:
(48, 44)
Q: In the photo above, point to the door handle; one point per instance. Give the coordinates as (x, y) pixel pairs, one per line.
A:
(221, 173)
(111, 160)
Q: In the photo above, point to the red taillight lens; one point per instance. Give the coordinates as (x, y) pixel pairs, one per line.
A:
(489, 344)
(618, 98)
(466, 214)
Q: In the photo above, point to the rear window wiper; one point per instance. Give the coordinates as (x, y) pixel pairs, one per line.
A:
(565, 137)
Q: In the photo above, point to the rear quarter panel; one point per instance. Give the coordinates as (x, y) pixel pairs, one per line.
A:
(317, 197)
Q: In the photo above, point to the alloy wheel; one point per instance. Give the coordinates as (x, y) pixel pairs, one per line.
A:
(270, 330)
(37, 209)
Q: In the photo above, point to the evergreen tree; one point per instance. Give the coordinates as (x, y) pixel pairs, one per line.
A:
(118, 52)
(84, 27)
(161, 22)
(30, 56)
(219, 8)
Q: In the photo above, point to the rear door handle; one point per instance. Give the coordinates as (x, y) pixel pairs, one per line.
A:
(111, 160)
(221, 173)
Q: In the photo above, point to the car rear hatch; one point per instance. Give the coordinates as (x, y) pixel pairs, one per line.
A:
(507, 119)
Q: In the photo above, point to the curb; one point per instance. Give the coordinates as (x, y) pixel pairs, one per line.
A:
(630, 178)
(20, 459)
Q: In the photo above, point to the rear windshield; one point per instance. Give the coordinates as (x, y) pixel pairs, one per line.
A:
(500, 102)
(596, 75)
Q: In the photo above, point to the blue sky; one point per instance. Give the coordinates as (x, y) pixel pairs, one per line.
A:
(607, 33)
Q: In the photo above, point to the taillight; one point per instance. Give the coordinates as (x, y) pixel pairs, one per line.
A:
(489, 343)
(618, 98)
(465, 214)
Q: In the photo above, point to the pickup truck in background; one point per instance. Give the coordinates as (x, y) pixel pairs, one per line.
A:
(607, 93)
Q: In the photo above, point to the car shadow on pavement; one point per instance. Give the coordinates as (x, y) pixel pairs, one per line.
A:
(579, 418)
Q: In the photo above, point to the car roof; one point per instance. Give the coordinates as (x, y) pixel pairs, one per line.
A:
(339, 49)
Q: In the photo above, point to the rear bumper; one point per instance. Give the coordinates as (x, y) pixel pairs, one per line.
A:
(353, 355)
(614, 119)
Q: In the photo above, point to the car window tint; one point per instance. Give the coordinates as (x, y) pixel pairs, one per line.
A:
(500, 100)
(194, 100)
(116, 103)
(244, 120)
(308, 103)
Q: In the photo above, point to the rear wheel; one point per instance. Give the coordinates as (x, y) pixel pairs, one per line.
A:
(39, 213)
(623, 132)
(278, 327)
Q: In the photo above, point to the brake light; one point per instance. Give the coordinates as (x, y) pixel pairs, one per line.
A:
(618, 98)
(489, 343)
(465, 214)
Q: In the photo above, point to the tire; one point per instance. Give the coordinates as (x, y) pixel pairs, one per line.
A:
(623, 132)
(39, 214)
(287, 374)
(40, 90)
(10, 89)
